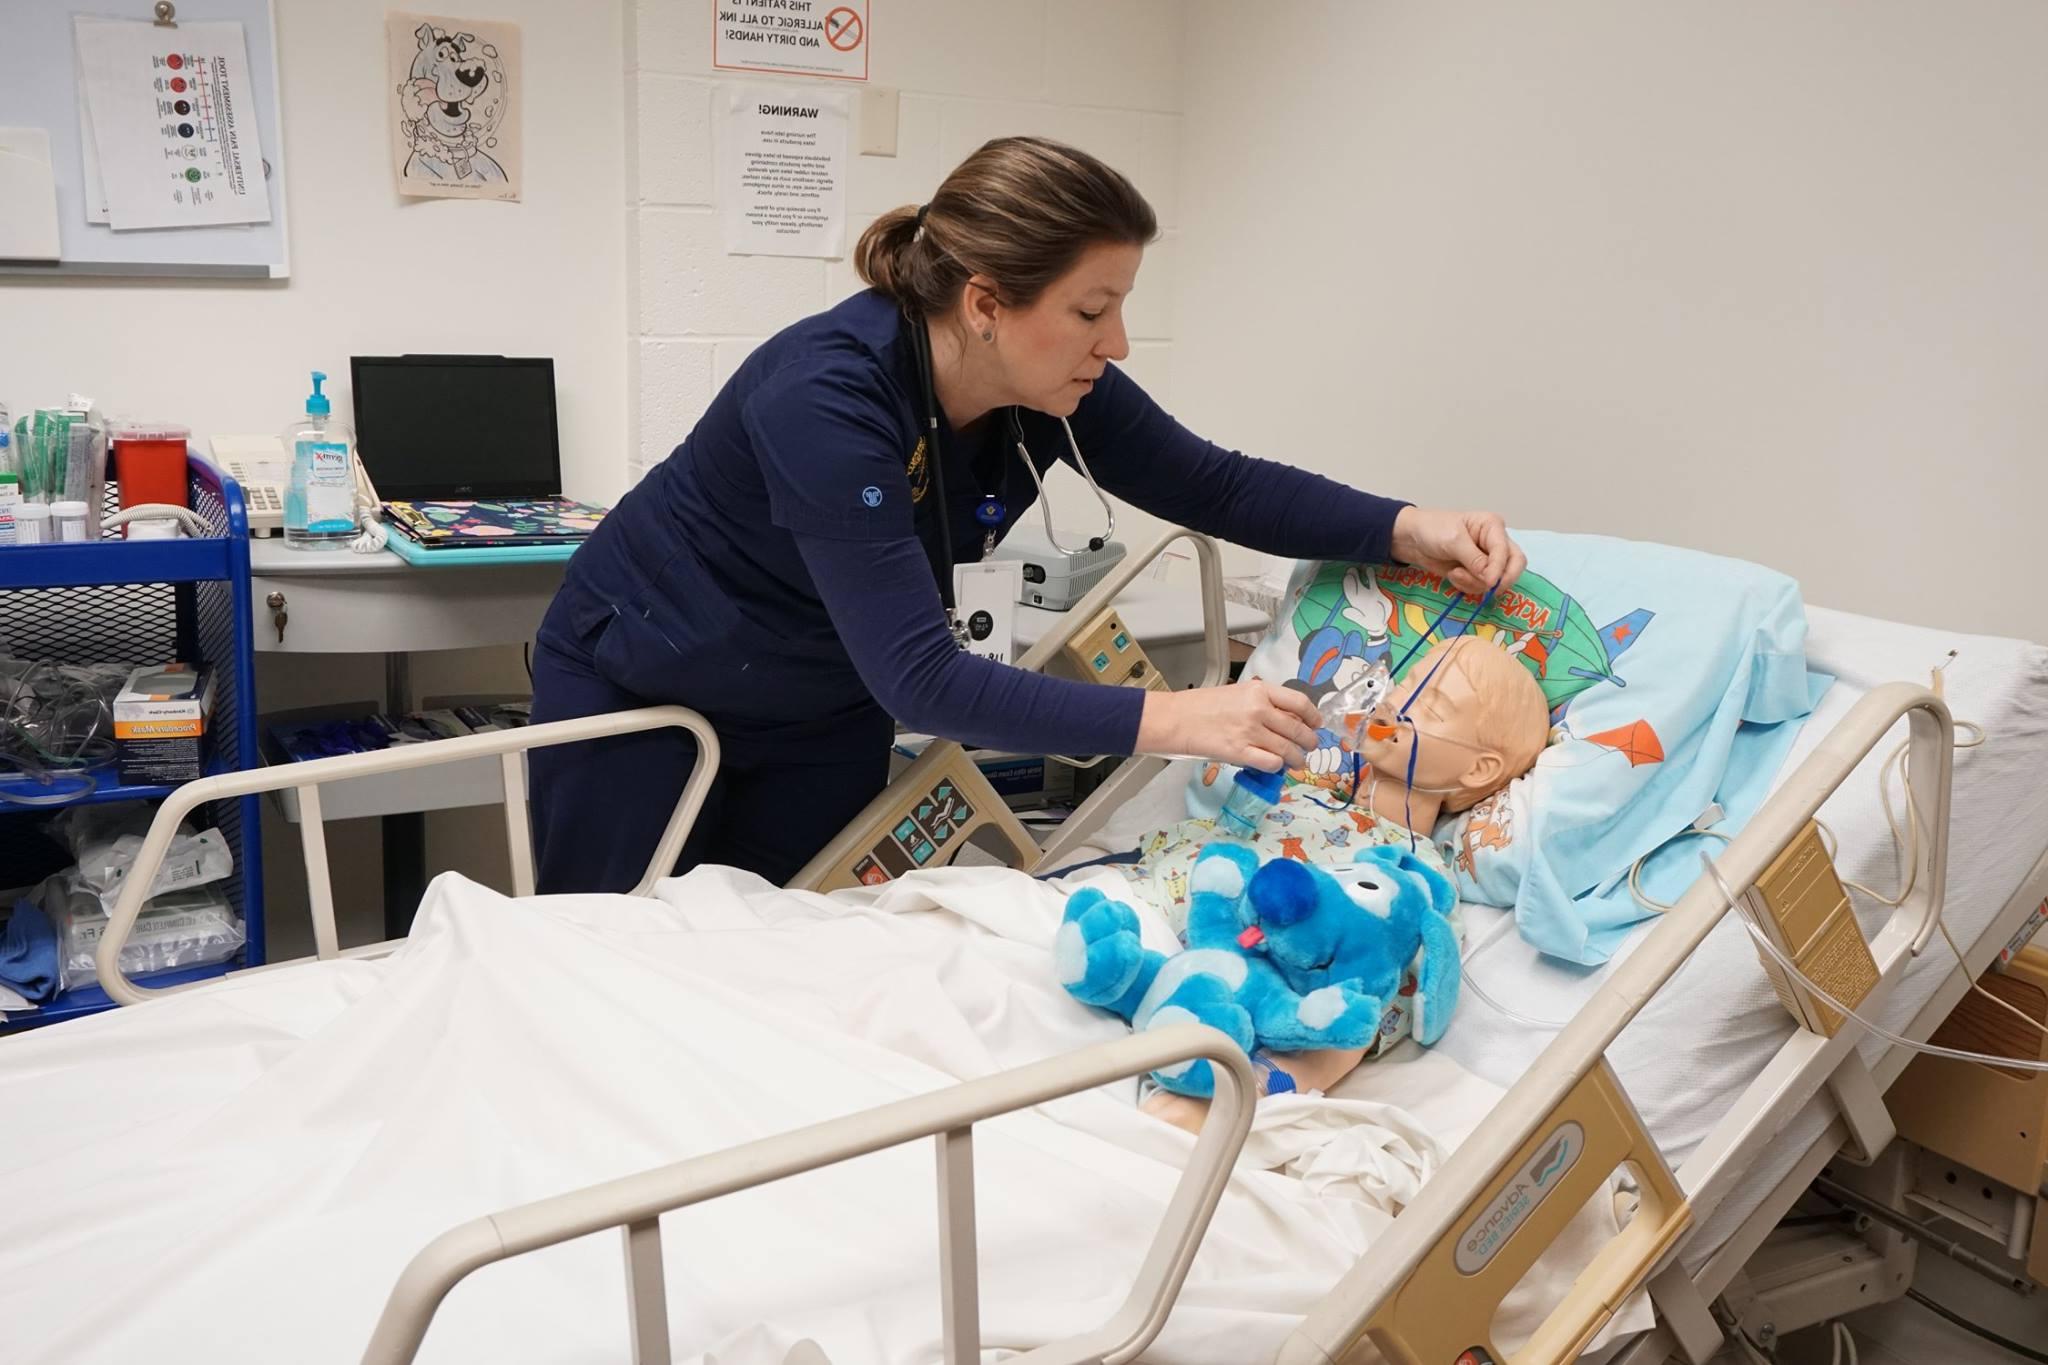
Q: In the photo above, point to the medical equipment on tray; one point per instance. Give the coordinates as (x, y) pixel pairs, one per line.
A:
(60, 457)
(1055, 578)
(55, 720)
(104, 841)
(991, 509)
(195, 927)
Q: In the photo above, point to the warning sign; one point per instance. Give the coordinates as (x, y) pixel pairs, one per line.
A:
(791, 37)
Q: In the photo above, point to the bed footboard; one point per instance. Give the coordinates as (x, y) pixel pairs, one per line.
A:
(634, 1203)
(1427, 1292)
(508, 746)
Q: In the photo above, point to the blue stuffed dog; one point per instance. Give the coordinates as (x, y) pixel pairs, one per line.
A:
(1283, 956)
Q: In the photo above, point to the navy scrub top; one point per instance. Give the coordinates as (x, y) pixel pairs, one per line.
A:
(778, 572)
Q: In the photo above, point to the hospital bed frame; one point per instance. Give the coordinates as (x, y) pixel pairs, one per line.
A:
(1433, 1281)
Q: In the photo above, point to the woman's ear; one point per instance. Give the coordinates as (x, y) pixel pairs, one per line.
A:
(983, 305)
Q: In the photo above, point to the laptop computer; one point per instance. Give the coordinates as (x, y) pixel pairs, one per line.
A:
(464, 450)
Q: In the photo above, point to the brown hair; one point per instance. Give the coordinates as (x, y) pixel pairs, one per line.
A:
(1020, 210)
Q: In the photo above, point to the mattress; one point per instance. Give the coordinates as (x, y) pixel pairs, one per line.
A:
(1712, 1029)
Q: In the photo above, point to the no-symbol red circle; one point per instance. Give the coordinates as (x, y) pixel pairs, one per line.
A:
(848, 36)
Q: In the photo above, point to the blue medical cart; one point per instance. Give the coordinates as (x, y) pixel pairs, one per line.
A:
(142, 602)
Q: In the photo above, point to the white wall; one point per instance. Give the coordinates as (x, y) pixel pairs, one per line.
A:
(373, 273)
(1104, 76)
(1759, 278)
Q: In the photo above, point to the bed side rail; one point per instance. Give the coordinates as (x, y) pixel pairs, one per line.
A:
(1417, 1262)
(306, 778)
(634, 1203)
(942, 802)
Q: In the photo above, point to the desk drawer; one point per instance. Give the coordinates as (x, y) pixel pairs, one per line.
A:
(390, 613)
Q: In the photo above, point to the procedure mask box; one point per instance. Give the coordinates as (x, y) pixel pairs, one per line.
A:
(160, 720)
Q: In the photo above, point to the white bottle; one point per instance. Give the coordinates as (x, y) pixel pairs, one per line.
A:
(320, 502)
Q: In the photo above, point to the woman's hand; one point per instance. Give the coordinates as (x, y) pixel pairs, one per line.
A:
(1250, 724)
(1472, 549)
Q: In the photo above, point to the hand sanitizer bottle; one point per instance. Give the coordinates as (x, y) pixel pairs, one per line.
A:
(320, 502)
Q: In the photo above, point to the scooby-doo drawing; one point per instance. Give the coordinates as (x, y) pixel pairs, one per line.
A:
(451, 103)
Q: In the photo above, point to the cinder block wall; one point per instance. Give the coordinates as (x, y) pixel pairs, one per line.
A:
(1104, 75)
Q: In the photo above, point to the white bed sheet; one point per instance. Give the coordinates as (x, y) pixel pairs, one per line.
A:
(240, 1174)
(1714, 1027)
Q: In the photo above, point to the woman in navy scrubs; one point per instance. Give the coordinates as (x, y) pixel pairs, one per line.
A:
(780, 571)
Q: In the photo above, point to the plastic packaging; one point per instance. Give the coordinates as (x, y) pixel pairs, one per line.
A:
(184, 929)
(106, 839)
(320, 501)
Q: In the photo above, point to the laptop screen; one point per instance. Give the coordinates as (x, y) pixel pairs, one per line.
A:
(457, 426)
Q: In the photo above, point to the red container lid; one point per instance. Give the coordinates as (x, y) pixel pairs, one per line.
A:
(148, 431)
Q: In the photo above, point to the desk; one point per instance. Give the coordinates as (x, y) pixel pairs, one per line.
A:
(1165, 618)
(339, 602)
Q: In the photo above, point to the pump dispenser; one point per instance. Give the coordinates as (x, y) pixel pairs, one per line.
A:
(320, 502)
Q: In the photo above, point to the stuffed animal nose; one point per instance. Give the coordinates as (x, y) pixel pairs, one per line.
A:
(1251, 938)
(470, 75)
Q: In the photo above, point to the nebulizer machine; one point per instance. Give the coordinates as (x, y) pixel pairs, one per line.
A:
(1343, 713)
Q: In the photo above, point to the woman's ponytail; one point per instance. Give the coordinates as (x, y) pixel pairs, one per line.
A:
(1019, 211)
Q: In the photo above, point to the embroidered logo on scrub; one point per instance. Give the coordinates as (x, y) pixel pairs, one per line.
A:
(919, 470)
(871, 495)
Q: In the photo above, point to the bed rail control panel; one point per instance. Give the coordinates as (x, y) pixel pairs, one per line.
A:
(1106, 652)
(941, 803)
(1799, 904)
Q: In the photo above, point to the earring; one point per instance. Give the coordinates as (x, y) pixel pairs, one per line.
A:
(988, 336)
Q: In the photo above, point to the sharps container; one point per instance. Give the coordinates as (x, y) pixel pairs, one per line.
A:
(149, 463)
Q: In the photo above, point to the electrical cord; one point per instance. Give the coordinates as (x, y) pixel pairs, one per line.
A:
(1983, 1333)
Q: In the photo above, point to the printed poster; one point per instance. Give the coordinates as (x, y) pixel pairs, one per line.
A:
(782, 173)
(168, 125)
(791, 37)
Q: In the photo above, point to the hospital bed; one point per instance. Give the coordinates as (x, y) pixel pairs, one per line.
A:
(1715, 1161)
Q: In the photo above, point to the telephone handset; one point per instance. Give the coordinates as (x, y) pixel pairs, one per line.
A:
(263, 469)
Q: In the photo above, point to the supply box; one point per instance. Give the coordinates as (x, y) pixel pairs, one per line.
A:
(160, 720)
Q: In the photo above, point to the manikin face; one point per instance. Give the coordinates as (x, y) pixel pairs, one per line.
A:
(1053, 351)
(1441, 732)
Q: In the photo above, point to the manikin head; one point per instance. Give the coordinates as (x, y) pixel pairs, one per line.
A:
(1479, 724)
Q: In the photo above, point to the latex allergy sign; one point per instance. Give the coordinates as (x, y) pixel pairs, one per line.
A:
(802, 37)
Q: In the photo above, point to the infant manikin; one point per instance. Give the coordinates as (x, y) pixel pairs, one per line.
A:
(1466, 720)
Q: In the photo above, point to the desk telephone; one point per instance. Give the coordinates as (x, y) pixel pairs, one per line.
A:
(263, 469)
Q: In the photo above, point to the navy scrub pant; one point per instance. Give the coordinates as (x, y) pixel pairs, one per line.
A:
(599, 807)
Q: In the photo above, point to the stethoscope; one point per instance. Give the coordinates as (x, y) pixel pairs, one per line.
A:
(991, 510)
